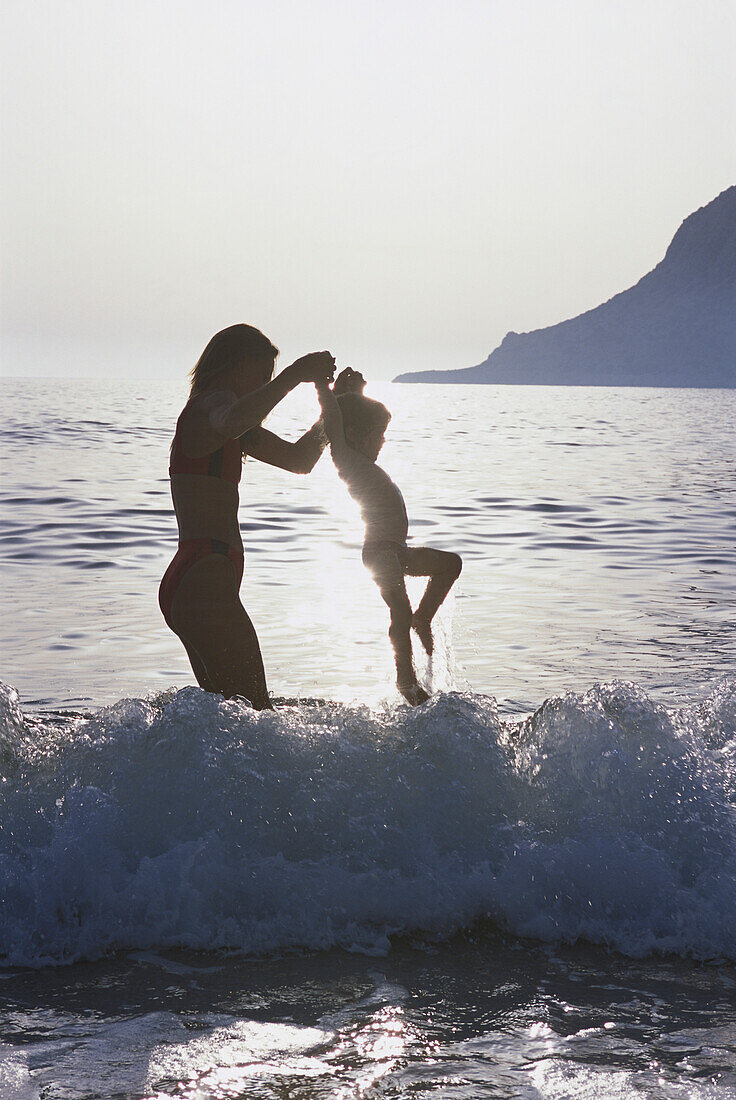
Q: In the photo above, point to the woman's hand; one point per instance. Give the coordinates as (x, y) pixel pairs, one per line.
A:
(317, 367)
(231, 416)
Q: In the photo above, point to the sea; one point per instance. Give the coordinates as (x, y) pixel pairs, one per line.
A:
(525, 887)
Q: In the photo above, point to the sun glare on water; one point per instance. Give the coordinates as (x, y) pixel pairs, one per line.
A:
(338, 600)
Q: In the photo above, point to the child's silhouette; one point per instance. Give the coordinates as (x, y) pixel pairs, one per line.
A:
(355, 427)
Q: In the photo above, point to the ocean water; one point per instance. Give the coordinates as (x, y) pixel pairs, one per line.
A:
(596, 527)
(526, 887)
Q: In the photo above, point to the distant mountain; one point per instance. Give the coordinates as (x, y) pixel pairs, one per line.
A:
(675, 327)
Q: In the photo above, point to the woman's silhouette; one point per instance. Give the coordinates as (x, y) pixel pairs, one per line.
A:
(233, 389)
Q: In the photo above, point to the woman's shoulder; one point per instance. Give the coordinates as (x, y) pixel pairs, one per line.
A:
(197, 410)
(194, 431)
(207, 400)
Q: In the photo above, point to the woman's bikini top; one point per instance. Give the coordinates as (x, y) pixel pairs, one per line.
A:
(225, 463)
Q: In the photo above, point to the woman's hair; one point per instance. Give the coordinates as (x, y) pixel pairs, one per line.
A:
(361, 415)
(229, 348)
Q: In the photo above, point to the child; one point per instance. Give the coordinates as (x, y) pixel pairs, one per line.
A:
(356, 426)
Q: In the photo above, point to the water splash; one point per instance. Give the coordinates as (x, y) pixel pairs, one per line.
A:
(182, 819)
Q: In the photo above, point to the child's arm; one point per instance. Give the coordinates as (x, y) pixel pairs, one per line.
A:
(332, 422)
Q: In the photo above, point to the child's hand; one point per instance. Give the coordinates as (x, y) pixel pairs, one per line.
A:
(349, 381)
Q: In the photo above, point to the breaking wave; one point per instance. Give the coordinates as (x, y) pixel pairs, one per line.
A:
(184, 820)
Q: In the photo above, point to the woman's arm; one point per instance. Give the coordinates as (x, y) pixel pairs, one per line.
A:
(299, 457)
(231, 416)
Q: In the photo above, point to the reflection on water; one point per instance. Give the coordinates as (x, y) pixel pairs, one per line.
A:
(480, 1016)
(596, 526)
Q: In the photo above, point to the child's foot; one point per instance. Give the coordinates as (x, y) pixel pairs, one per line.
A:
(424, 633)
(414, 693)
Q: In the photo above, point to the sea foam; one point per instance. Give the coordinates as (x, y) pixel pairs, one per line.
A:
(182, 819)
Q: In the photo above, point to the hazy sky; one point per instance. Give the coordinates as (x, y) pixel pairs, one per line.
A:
(401, 181)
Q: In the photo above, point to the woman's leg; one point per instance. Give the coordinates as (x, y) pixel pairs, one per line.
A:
(198, 668)
(217, 633)
(443, 568)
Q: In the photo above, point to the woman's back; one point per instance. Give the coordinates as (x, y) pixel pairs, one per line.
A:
(204, 484)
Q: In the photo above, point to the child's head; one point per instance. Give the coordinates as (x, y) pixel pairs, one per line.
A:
(364, 423)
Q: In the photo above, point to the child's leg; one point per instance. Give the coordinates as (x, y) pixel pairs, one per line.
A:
(389, 576)
(443, 569)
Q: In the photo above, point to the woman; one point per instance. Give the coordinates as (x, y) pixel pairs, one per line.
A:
(233, 390)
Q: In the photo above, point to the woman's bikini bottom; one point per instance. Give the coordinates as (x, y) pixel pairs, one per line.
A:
(191, 551)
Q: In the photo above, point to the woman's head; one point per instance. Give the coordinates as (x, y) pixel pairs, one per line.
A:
(234, 347)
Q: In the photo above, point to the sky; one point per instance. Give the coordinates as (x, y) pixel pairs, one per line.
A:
(400, 181)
